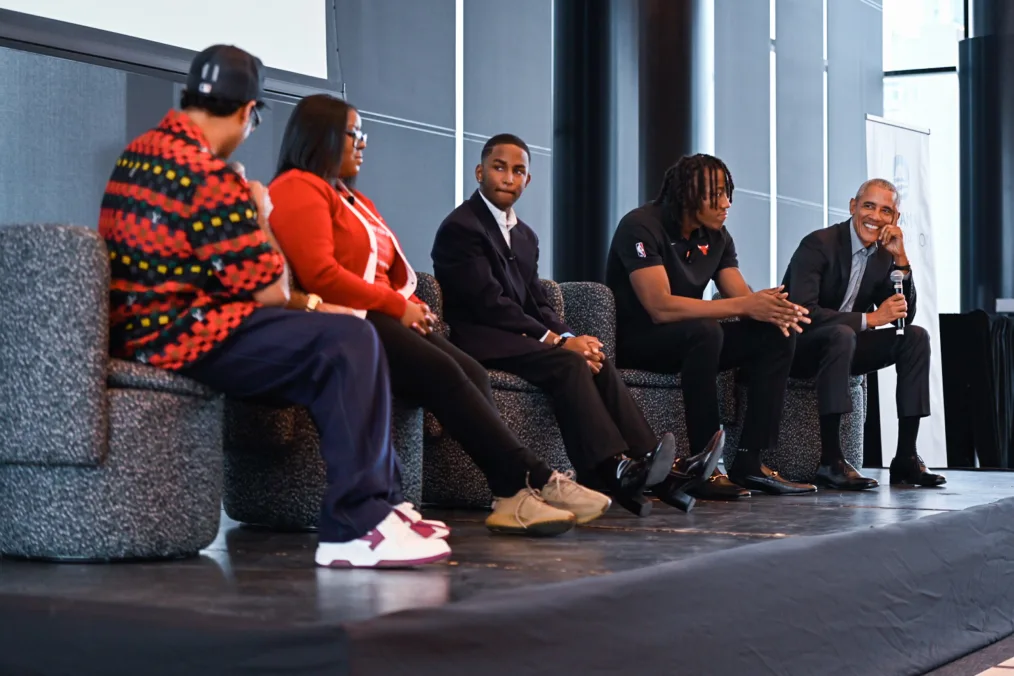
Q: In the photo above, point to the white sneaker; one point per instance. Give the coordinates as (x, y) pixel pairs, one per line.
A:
(392, 544)
(428, 528)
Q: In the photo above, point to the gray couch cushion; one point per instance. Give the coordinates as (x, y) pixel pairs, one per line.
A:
(54, 342)
(134, 376)
(635, 378)
(591, 311)
(501, 380)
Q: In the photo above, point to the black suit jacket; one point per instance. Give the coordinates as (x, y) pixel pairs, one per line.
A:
(818, 277)
(493, 299)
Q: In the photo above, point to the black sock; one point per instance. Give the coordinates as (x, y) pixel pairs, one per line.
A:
(748, 461)
(908, 430)
(606, 469)
(830, 438)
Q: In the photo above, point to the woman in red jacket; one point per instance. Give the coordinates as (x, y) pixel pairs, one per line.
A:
(341, 250)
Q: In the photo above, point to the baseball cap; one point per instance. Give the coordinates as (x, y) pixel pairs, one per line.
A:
(228, 73)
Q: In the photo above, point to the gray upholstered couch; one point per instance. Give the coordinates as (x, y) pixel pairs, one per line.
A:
(450, 478)
(797, 455)
(274, 474)
(99, 459)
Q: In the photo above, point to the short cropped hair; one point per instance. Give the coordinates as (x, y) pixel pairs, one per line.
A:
(879, 183)
(504, 140)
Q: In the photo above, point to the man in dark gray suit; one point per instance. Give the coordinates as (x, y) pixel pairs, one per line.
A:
(840, 274)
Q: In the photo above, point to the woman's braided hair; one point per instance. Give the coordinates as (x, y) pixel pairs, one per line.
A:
(684, 182)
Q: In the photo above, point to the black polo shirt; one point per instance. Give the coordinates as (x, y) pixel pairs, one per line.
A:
(646, 237)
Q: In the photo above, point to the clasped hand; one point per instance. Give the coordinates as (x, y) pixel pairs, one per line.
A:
(773, 306)
(590, 348)
(419, 318)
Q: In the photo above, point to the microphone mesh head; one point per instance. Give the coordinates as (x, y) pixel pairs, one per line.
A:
(897, 276)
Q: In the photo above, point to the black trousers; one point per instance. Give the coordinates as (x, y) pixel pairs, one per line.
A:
(335, 366)
(598, 418)
(698, 349)
(431, 372)
(833, 352)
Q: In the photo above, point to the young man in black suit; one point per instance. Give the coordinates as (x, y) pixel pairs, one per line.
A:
(662, 257)
(486, 261)
(840, 273)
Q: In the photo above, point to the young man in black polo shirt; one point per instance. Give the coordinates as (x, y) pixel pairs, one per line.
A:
(662, 257)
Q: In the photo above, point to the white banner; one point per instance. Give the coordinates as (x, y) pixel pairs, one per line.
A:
(901, 155)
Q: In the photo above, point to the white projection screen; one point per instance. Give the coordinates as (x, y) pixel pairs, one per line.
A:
(287, 35)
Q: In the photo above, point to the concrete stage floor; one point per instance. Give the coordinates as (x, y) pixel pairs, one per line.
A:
(270, 576)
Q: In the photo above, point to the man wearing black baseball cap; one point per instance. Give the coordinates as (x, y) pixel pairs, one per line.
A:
(225, 92)
(198, 286)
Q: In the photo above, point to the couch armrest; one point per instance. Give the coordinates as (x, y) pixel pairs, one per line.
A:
(555, 297)
(591, 311)
(428, 291)
(54, 345)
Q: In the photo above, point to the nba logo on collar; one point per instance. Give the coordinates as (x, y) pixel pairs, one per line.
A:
(640, 250)
(703, 248)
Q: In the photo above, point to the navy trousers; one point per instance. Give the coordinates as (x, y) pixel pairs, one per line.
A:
(335, 366)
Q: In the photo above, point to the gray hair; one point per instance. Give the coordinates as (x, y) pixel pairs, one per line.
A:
(880, 183)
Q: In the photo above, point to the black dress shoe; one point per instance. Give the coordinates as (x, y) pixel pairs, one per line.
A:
(689, 474)
(768, 482)
(719, 487)
(633, 475)
(912, 471)
(842, 476)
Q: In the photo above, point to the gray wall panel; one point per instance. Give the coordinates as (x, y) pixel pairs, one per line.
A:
(62, 125)
(259, 153)
(406, 175)
(397, 57)
(508, 73)
(800, 99)
(742, 127)
(742, 102)
(749, 220)
(855, 89)
(800, 123)
(795, 221)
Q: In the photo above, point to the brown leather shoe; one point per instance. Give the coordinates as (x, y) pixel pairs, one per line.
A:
(718, 487)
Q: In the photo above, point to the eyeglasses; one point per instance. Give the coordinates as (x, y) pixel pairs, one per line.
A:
(255, 118)
(358, 136)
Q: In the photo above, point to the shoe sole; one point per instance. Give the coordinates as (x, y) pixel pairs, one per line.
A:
(828, 485)
(665, 456)
(545, 529)
(903, 482)
(582, 520)
(385, 563)
(783, 491)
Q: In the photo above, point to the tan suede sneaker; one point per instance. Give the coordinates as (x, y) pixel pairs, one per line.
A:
(526, 513)
(564, 493)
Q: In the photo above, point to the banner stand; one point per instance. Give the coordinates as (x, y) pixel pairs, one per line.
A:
(900, 154)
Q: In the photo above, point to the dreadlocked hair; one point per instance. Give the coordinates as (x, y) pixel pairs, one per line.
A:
(683, 187)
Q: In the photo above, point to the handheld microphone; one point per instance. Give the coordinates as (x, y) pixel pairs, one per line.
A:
(238, 168)
(898, 277)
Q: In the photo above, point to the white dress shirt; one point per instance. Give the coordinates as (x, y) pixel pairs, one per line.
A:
(505, 219)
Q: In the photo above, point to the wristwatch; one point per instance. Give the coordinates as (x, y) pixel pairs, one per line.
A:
(560, 341)
(312, 301)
